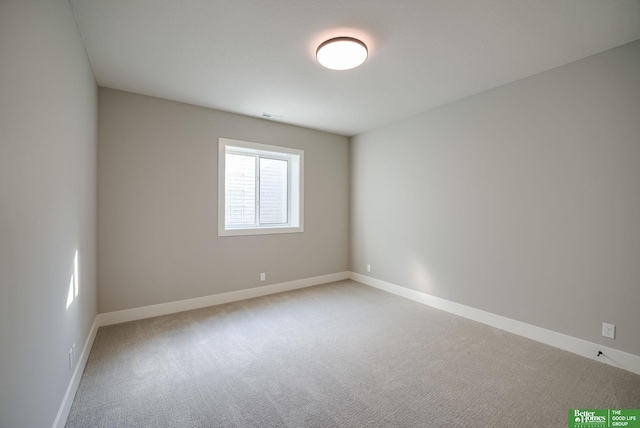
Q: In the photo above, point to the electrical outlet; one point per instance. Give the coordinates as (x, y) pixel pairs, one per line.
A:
(609, 330)
(263, 276)
(368, 268)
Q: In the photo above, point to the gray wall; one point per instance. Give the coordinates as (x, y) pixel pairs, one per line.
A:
(157, 204)
(523, 201)
(48, 136)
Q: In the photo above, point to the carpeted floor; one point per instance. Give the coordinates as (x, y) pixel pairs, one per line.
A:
(335, 355)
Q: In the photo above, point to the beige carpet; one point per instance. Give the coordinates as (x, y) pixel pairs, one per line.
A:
(336, 355)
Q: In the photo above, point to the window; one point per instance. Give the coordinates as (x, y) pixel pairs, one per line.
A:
(260, 188)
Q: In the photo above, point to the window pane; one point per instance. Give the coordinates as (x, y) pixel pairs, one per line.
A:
(240, 190)
(273, 191)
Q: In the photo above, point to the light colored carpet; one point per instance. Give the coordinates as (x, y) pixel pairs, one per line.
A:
(335, 355)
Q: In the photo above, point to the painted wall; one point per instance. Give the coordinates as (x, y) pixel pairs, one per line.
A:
(523, 201)
(48, 138)
(157, 203)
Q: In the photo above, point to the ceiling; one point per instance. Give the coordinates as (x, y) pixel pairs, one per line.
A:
(257, 56)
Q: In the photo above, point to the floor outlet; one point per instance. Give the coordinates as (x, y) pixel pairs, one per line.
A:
(609, 330)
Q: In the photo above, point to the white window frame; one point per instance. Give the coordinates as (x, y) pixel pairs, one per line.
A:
(295, 201)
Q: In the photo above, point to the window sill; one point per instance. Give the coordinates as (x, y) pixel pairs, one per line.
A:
(260, 231)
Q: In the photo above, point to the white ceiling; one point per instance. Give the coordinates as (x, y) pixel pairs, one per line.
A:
(257, 56)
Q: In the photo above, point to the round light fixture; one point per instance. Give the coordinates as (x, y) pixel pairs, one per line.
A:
(342, 53)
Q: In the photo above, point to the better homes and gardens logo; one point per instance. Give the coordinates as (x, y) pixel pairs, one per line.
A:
(602, 418)
(588, 418)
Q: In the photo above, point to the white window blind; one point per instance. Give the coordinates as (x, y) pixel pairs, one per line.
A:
(240, 190)
(273, 184)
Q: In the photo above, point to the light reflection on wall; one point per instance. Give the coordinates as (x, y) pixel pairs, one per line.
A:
(421, 278)
(74, 284)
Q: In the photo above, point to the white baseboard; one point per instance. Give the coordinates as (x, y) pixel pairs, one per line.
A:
(126, 315)
(67, 401)
(572, 344)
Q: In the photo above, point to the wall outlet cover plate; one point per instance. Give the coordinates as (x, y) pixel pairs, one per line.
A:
(609, 330)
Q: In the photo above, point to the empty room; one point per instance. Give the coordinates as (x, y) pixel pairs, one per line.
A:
(298, 214)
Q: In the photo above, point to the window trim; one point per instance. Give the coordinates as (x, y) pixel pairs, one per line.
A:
(294, 189)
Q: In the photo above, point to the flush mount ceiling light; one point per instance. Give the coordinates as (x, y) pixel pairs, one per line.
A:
(341, 53)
